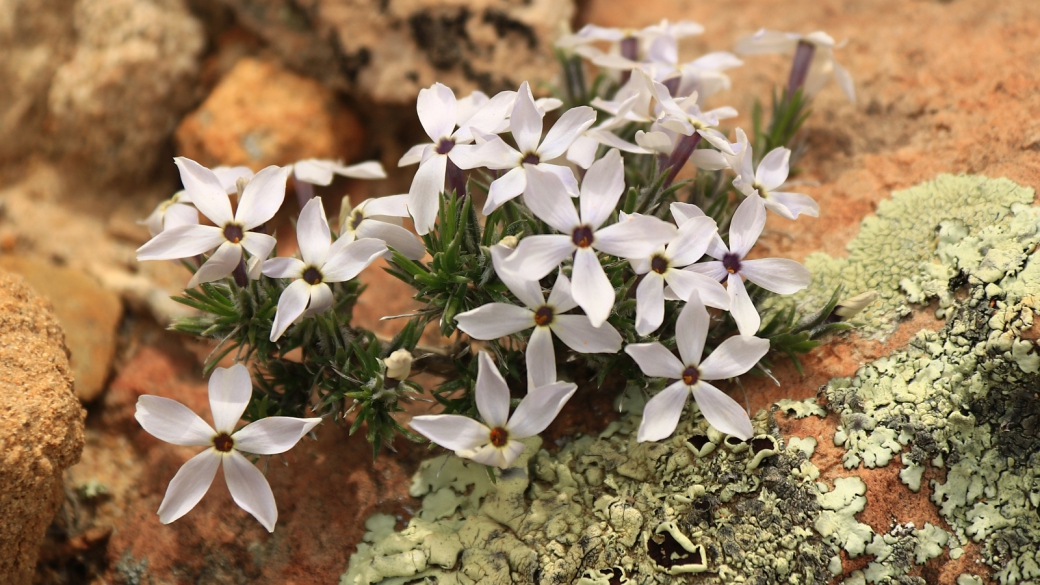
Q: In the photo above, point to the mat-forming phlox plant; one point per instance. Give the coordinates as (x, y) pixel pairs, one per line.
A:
(619, 217)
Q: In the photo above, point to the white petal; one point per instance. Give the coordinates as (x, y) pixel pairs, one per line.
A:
(661, 414)
(733, 357)
(748, 221)
(229, 392)
(390, 205)
(685, 282)
(203, 189)
(229, 176)
(181, 242)
(178, 215)
(659, 142)
(504, 188)
(572, 124)
(274, 434)
(291, 305)
(578, 333)
(583, 151)
(691, 330)
(773, 168)
(536, 256)
(564, 174)
(189, 485)
(414, 154)
(321, 298)
(395, 236)
(637, 237)
(525, 122)
(538, 409)
(259, 245)
(778, 275)
(492, 393)
(437, 110)
(611, 140)
(709, 159)
(529, 291)
(595, 295)
(345, 262)
(366, 170)
(500, 457)
(494, 320)
(452, 431)
(682, 212)
(841, 75)
(540, 358)
(312, 233)
(262, 197)
(794, 204)
(493, 154)
(560, 298)
(603, 185)
(692, 240)
(722, 412)
(547, 198)
(741, 307)
(172, 422)
(313, 171)
(250, 490)
(222, 263)
(655, 360)
(424, 195)
(649, 303)
(713, 270)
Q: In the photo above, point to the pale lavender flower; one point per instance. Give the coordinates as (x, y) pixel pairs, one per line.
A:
(821, 52)
(768, 179)
(381, 218)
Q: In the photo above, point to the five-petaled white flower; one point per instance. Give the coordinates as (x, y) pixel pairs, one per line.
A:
(771, 174)
(496, 320)
(439, 113)
(735, 356)
(525, 124)
(380, 218)
(823, 64)
(778, 275)
(177, 210)
(663, 266)
(229, 392)
(538, 255)
(497, 441)
(323, 262)
(259, 201)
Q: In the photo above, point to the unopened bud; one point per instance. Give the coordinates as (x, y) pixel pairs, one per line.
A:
(509, 241)
(240, 184)
(399, 364)
(850, 307)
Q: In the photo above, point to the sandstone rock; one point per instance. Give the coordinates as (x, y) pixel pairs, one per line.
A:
(388, 53)
(261, 114)
(89, 314)
(41, 424)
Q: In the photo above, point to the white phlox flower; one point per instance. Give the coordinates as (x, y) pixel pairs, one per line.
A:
(323, 262)
(495, 320)
(525, 124)
(685, 117)
(823, 64)
(630, 48)
(733, 357)
(704, 75)
(399, 364)
(768, 179)
(229, 392)
(259, 201)
(663, 266)
(581, 236)
(583, 151)
(778, 275)
(496, 442)
(173, 212)
(638, 88)
(381, 218)
(440, 114)
(321, 171)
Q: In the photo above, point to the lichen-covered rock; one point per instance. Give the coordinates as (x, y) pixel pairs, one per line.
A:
(261, 114)
(387, 53)
(41, 424)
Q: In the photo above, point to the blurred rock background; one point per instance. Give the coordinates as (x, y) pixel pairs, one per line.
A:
(96, 96)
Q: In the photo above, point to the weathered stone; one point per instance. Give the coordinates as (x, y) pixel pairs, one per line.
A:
(388, 53)
(261, 114)
(89, 314)
(41, 424)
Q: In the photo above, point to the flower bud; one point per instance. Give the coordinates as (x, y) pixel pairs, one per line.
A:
(848, 308)
(509, 241)
(399, 364)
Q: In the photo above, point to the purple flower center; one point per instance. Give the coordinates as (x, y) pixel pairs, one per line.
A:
(582, 236)
(223, 442)
(731, 262)
(445, 145)
(499, 437)
(356, 219)
(312, 275)
(544, 316)
(659, 264)
(233, 233)
(531, 158)
(691, 375)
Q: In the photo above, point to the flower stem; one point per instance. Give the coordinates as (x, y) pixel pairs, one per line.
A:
(680, 154)
(630, 51)
(456, 180)
(304, 191)
(803, 57)
(241, 279)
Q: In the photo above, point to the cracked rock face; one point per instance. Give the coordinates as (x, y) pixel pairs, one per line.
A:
(41, 424)
(389, 53)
